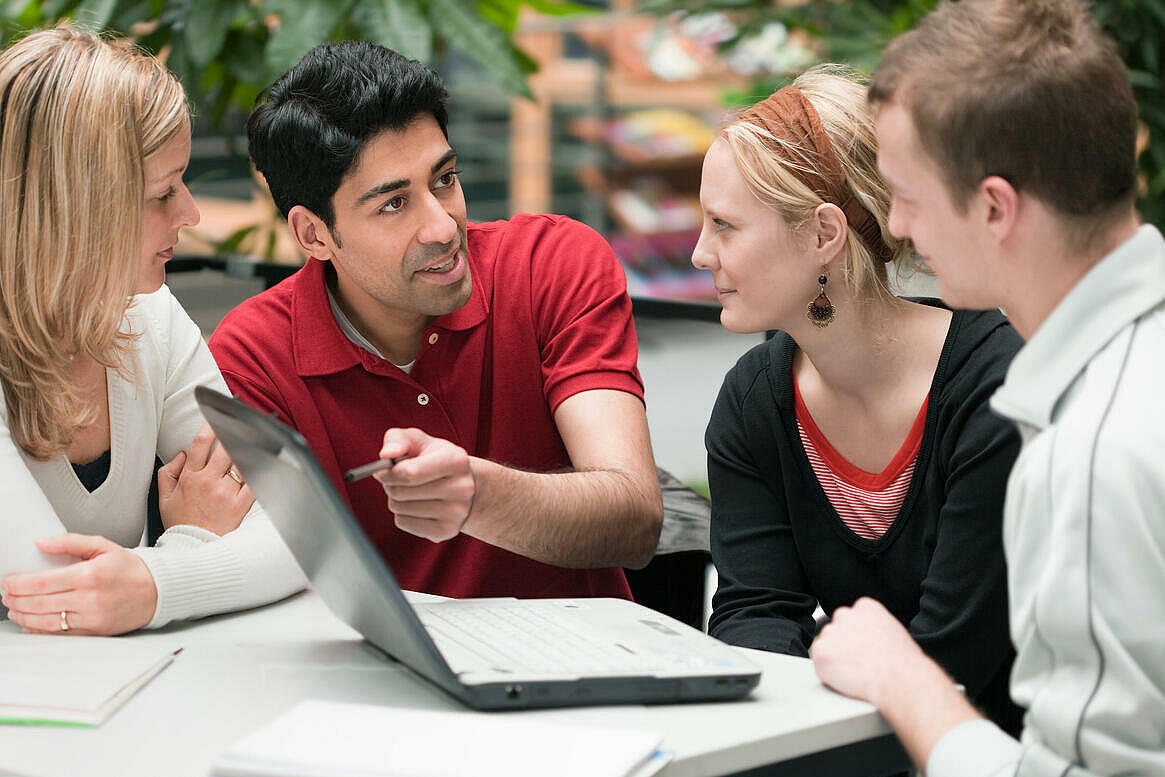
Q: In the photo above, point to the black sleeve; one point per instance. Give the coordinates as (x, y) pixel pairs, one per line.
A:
(762, 600)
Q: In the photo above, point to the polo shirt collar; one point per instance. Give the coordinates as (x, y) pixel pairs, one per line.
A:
(320, 347)
(1121, 287)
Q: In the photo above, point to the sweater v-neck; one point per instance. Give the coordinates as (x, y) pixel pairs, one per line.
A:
(70, 481)
(847, 470)
(821, 505)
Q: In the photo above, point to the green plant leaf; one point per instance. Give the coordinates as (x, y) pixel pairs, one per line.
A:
(20, 10)
(485, 44)
(155, 40)
(179, 62)
(206, 28)
(244, 53)
(1157, 8)
(129, 14)
(22, 15)
(400, 25)
(244, 94)
(1144, 79)
(564, 8)
(1154, 115)
(230, 244)
(301, 28)
(503, 13)
(524, 60)
(1149, 52)
(53, 9)
(94, 14)
(221, 101)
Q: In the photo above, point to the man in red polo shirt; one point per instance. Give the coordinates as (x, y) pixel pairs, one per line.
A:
(499, 357)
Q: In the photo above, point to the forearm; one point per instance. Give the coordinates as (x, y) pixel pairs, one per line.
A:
(776, 621)
(582, 519)
(921, 704)
(198, 573)
(764, 599)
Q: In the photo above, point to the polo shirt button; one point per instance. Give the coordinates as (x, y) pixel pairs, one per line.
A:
(422, 399)
(433, 338)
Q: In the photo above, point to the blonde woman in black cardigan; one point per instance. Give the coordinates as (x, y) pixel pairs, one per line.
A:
(853, 454)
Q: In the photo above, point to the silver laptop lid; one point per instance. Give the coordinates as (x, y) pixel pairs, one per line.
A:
(323, 535)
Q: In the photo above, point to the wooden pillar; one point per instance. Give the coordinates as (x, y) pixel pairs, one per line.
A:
(530, 128)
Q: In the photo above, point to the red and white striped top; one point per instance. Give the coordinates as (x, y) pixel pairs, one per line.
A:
(866, 502)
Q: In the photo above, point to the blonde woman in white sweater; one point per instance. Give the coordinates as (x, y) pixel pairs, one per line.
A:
(98, 361)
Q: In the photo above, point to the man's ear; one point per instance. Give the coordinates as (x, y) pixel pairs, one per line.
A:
(828, 233)
(1000, 204)
(310, 232)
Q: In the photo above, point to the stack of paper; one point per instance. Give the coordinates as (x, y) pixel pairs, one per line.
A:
(318, 738)
(73, 681)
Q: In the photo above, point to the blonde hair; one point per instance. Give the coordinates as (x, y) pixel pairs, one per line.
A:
(79, 115)
(839, 98)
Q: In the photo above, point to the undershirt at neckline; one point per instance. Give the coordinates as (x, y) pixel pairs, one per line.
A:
(842, 468)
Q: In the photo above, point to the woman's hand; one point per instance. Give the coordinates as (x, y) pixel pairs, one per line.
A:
(109, 590)
(200, 487)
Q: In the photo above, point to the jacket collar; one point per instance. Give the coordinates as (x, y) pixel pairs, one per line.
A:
(320, 347)
(1123, 286)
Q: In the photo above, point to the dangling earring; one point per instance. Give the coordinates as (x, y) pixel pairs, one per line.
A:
(821, 310)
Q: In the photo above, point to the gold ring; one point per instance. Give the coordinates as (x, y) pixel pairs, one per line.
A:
(64, 621)
(234, 476)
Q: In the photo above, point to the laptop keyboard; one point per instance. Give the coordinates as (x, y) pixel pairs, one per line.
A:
(519, 639)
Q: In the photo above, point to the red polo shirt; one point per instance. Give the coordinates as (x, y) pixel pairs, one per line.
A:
(548, 317)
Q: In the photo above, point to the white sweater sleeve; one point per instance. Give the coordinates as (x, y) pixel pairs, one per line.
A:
(198, 573)
(977, 748)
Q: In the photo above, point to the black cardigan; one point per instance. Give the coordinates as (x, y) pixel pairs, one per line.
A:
(780, 548)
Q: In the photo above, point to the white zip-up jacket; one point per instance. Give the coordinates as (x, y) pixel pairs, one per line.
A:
(1084, 535)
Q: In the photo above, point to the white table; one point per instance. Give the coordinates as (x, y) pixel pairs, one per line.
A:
(238, 671)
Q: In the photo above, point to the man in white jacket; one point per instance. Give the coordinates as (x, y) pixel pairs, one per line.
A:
(1007, 131)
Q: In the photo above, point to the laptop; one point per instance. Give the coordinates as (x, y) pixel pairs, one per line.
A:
(491, 654)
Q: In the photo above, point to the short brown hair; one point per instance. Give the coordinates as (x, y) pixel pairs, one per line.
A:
(1029, 90)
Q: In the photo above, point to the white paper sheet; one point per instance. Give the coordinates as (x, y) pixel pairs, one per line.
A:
(333, 739)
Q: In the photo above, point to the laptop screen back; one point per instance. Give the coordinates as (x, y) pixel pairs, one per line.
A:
(344, 568)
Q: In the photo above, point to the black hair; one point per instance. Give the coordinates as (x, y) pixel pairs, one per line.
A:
(309, 127)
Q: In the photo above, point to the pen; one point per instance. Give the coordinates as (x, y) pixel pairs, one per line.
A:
(372, 467)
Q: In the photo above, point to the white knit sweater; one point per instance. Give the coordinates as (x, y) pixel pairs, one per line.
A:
(196, 572)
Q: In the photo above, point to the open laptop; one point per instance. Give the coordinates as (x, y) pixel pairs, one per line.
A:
(489, 653)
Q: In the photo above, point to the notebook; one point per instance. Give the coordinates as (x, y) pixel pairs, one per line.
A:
(73, 681)
(488, 653)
